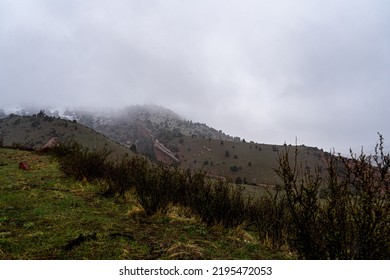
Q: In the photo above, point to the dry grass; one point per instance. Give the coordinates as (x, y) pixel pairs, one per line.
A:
(255, 162)
(185, 251)
(41, 211)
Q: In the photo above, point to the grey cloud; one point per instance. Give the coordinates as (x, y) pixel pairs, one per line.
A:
(263, 70)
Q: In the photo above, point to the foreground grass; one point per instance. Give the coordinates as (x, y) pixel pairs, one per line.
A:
(46, 215)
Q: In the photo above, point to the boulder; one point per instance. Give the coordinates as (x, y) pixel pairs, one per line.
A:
(24, 165)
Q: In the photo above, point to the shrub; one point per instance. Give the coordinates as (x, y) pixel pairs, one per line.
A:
(155, 187)
(219, 202)
(190, 186)
(358, 206)
(269, 216)
(81, 162)
(121, 175)
(352, 219)
(233, 168)
(302, 202)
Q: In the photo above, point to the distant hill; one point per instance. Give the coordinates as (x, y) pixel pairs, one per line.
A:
(162, 135)
(35, 131)
(144, 128)
(133, 125)
(124, 125)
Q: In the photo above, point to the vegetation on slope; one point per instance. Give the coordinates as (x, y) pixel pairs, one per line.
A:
(196, 145)
(241, 162)
(348, 221)
(84, 203)
(32, 132)
(47, 215)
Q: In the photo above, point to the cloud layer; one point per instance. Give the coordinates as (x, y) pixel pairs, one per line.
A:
(267, 71)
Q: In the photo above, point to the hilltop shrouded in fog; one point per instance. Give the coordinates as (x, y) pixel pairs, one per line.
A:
(155, 132)
(269, 71)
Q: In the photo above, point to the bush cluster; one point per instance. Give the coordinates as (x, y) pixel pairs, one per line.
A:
(268, 215)
(217, 202)
(157, 186)
(342, 216)
(82, 162)
(351, 220)
(120, 175)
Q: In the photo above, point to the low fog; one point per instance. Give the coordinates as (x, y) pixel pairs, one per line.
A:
(267, 71)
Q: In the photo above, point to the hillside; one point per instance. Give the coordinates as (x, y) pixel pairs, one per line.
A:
(164, 136)
(35, 131)
(60, 218)
(132, 208)
(157, 119)
(139, 126)
(249, 163)
(161, 135)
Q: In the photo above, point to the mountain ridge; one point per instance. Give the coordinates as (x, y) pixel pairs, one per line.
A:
(162, 135)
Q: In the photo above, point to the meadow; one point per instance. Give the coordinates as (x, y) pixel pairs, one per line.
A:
(74, 203)
(45, 214)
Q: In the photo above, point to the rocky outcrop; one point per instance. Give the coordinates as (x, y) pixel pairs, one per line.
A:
(163, 154)
(53, 142)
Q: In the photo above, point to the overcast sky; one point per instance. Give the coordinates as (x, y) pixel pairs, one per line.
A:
(264, 70)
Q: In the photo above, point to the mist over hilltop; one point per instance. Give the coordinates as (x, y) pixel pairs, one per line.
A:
(158, 117)
(268, 71)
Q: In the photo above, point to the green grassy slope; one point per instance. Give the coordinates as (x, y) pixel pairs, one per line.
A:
(33, 132)
(46, 215)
